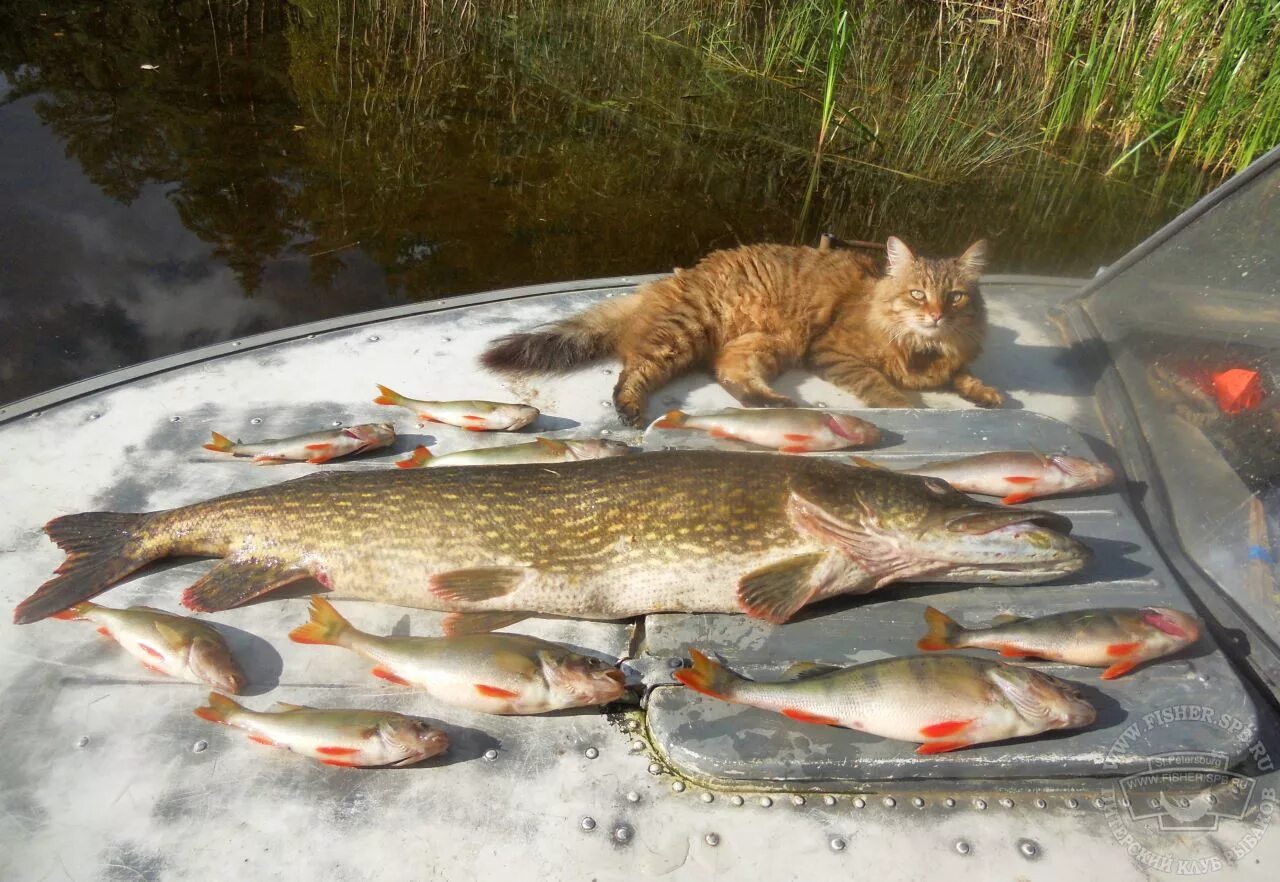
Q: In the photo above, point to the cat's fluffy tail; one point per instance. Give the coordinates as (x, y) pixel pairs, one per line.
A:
(564, 345)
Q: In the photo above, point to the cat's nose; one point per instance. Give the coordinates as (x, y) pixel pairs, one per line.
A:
(936, 318)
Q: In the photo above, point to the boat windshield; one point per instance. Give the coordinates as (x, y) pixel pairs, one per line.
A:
(1192, 326)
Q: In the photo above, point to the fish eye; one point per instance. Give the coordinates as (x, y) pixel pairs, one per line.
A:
(937, 487)
(955, 298)
(917, 296)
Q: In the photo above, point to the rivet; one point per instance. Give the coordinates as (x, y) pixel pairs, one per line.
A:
(622, 834)
(766, 801)
(980, 804)
(675, 663)
(1040, 803)
(859, 802)
(707, 797)
(491, 754)
(94, 416)
(1006, 802)
(918, 802)
(949, 802)
(654, 769)
(632, 796)
(837, 844)
(828, 800)
(1028, 848)
(712, 839)
(1213, 800)
(1073, 802)
(336, 423)
(175, 419)
(736, 800)
(1099, 802)
(1155, 803)
(637, 746)
(374, 338)
(200, 746)
(236, 343)
(591, 753)
(588, 824)
(677, 786)
(962, 847)
(311, 336)
(82, 741)
(606, 404)
(256, 420)
(889, 802)
(797, 800)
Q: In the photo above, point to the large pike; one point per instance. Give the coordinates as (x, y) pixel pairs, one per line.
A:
(684, 531)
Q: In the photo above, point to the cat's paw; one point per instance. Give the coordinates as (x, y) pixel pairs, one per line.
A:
(984, 396)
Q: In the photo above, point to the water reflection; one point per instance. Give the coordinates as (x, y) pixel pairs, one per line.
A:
(272, 169)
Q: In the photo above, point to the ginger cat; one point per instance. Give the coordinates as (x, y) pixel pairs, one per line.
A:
(752, 312)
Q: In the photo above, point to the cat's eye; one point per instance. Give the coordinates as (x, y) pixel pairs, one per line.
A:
(955, 298)
(917, 296)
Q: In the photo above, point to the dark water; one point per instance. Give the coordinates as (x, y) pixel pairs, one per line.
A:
(286, 162)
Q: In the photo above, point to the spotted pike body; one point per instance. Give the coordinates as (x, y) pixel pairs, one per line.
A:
(604, 539)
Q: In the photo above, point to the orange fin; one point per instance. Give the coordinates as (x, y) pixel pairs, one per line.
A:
(495, 692)
(219, 444)
(150, 650)
(1122, 648)
(718, 432)
(319, 460)
(806, 717)
(153, 669)
(795, 436)
(1020, 479)
(472, 418)
(388, 396)
(707, 677)
(325, 627)
(75, 611)
(104, 630)
(218, 710)
(262, 739)
(942, 631)
(1010, 651)
(942, 746)
(673, 419)
(337, 751)
(415, 460)
(263, 459)
(1119, 669)
(341, 763)
(323, 445)
(1015, 498)
(793, 448)
(390, 676)
(943, 729)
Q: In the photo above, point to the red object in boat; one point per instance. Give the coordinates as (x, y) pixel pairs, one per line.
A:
(1237, 390)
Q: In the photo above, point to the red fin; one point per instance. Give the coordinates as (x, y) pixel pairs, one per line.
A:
(942, 746)
(472, 418)
(388, 396)
(1009, 651)
(673, 419)
(323, 445)
(220, 443)
(342, 763)
(415, 460)
(718, 432)
(793, 448)
(806, 717)
(793, 436)
(941, 730)
(260, 739)
(1015, 498)
(707, 677)
(104, 630)
(265, 459)
(942, 631)
(495, 692)
(391, 676)
(337, 751)
(210, 714)
(1122, 648)
(66, 615)
(318, 460)
(150, 650)
(153, 669)
(1119, 669)
(1020, 479)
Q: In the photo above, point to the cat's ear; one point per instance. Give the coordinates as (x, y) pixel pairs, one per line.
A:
(900, 256)
(974, 259)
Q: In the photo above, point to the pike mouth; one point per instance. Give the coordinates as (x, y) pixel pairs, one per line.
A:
(986, 521)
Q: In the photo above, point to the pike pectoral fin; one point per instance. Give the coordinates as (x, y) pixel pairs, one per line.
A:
(775, 592)
(234, 581)
(476, 583)
(479, 623)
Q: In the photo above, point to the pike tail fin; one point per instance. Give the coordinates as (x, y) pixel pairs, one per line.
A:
(327, 626)
(708, 677)
(102, 548)
(219, 444)
(943, 631)
(219, 709)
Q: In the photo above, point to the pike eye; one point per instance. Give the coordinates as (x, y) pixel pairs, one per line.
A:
(937, 487)
(955, 298)
(917, 296)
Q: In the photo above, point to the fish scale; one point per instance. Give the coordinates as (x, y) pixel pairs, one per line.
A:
(757, 533)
